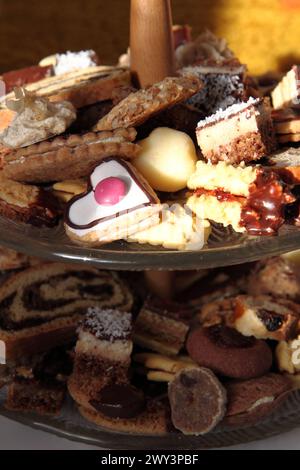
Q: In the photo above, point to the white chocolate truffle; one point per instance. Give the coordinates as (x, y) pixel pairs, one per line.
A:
(167, 159)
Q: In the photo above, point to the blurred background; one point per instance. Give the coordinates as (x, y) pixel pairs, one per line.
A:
(264, 33)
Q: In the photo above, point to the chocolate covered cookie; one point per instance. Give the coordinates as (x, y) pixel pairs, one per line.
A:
(228, 353)
(198, 401)
(251, 400)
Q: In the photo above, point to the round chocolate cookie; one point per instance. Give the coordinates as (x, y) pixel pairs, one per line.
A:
(198, 401)
(251, 400)
(225, 351)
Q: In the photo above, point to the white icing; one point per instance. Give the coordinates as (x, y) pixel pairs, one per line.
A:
(228, 112)
(86, 210)
(71, 61)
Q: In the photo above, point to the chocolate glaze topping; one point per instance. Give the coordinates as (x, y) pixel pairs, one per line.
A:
(263, 212)
(119, 401)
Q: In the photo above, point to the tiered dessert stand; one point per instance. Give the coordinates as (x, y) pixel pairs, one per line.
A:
(151, 61)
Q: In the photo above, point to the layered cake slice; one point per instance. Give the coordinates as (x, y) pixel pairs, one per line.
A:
(287, 92)
(102, 354)
(162, 326)
(40, 307)
(100, 383)
(224, 85)
(243, 132)
(250, 199)
(39, 385)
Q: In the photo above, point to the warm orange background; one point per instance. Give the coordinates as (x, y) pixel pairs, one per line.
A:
(264, 33)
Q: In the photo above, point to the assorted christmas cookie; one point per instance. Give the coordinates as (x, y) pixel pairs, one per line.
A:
(118, 203)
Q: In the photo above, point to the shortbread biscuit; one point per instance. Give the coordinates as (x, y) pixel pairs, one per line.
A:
(178, 230)
(138, 107)
(162, 363)
(67, 189)
(286, 121)
(153, 421)
(82, 87)
(160, 376)
(68, 157)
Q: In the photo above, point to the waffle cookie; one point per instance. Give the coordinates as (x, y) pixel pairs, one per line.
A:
(287, 124)
(287, 92)
(41, 306)
(68, 157)
(138, 107)
(81, 88)
(21, 77)
(162, 326)
(250, 199)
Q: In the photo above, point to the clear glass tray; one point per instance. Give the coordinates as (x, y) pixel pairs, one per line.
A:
(224, 248)
(72, 426)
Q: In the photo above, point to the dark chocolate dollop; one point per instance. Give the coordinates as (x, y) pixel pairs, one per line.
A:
(119, 401)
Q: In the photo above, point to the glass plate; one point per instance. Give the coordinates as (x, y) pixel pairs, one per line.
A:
(225, 247)
(72, 426)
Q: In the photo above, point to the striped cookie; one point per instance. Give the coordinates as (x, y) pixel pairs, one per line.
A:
(68, 157)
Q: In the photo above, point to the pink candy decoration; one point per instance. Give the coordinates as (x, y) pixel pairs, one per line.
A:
(110, 191)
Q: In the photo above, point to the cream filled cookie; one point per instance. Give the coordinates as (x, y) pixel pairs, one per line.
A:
(119, 202)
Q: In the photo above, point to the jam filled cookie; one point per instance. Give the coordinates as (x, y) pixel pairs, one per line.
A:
(119, 202)
(228, 353)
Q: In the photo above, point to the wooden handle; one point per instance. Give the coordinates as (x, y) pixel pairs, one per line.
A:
(151, 41)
